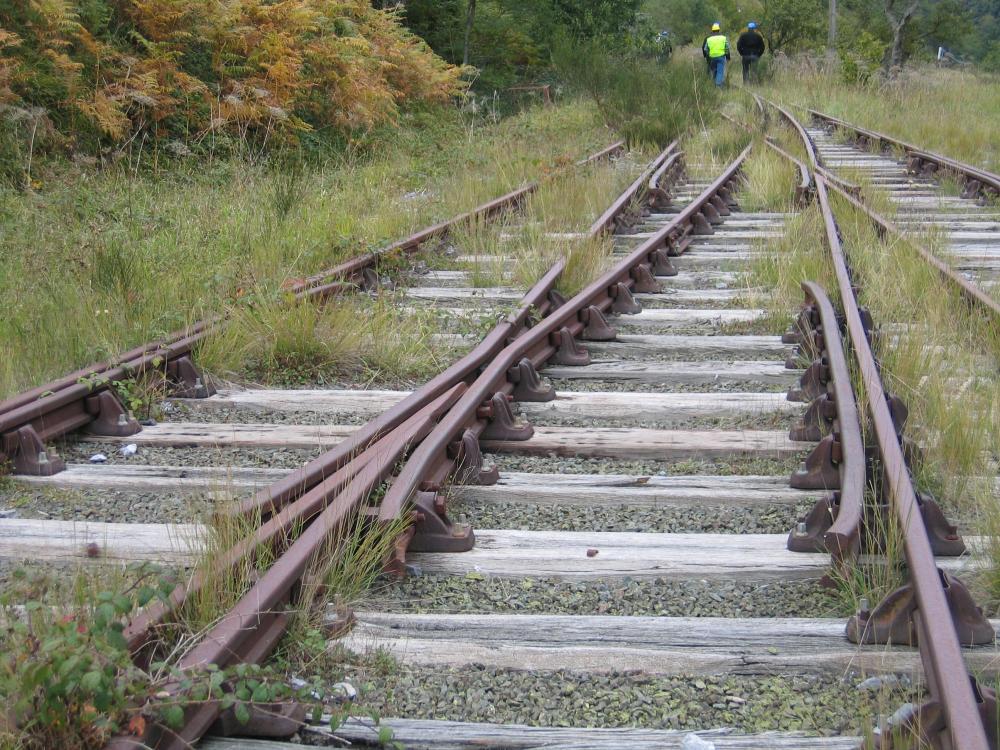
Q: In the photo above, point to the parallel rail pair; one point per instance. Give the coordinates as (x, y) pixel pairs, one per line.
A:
(934, 611)
(439, 425)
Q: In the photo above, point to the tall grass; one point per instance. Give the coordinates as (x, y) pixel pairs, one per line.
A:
(918, 106)
(646, 102)
(772, 180)
(97, 262)
(553, 226)
(283, 342)
(942, 358)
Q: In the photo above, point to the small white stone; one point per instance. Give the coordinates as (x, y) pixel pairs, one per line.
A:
(694, 742)
(344, 692)
(129, 450)
(98, 458)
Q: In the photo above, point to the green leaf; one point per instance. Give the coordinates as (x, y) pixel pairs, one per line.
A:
(242, 713)
(384, 735)
(173, 717)
(261, 693)
(91, 681)
(117, 640)
(104, 614)
(145, 595)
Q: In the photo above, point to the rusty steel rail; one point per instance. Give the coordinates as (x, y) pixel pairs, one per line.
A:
(320, 498)
(977, 183)
(86, 399)
(300, 495)
(815, 161)
(838, 461)
(953, 718)
(483, 409)
(616, 213)
(972, 293)
(657, 195)
(364, 267)
(804, 190)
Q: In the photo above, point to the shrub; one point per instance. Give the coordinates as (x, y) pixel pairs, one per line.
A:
(108, 71)
(646, 102)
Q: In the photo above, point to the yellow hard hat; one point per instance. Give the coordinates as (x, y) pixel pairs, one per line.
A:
(716, 27)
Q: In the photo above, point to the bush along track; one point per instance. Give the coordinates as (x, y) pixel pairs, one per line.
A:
(615, 383)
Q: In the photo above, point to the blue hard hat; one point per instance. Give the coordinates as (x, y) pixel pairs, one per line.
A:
(752, 25)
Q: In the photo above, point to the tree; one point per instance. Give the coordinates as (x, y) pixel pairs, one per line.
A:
(470, 19)
(788, 24)
(899, 13)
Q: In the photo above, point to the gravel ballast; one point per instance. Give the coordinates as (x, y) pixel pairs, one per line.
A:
(108, 506)
(655, 597)
(155, 455)
(579, 465)
(760, 519)
(817, 704)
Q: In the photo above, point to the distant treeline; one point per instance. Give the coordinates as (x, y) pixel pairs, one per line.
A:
(507, 40)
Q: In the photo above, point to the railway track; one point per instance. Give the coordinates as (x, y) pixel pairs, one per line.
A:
(588, 563)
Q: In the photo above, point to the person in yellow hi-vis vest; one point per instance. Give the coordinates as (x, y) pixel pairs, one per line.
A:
(716, 51)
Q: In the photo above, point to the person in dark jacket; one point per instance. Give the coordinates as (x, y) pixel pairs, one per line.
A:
(751, 47)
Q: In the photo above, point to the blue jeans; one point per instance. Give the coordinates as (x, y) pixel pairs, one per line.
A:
(718, 67)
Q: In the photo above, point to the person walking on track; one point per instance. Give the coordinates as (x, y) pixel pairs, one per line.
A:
(751, 47)
(716, 51)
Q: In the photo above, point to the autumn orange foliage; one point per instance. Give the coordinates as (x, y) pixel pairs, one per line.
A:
(114, 69)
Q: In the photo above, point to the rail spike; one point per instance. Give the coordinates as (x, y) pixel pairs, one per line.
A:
(892, 621)
(110, 417)
(645, 282)
(813, 382)
(26, 452)
(187, 379)
(596, 326)
(624, 303)
(659, 263)
(817, 420)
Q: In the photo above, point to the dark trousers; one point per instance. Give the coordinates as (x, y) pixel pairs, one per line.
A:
(748, 61)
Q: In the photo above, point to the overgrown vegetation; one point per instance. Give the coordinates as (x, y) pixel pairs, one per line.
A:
(889, 106)
(68, 680)
(97, 263)
(85, 74)
(645, 103)
(885, 33)
(512, 40)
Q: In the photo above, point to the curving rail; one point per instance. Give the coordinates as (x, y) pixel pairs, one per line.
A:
(956, 707)
(838, 461)
(976, 182)
(934, 611)
(582, 316)
(324, 494)
(86, 399)
(972, 293)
